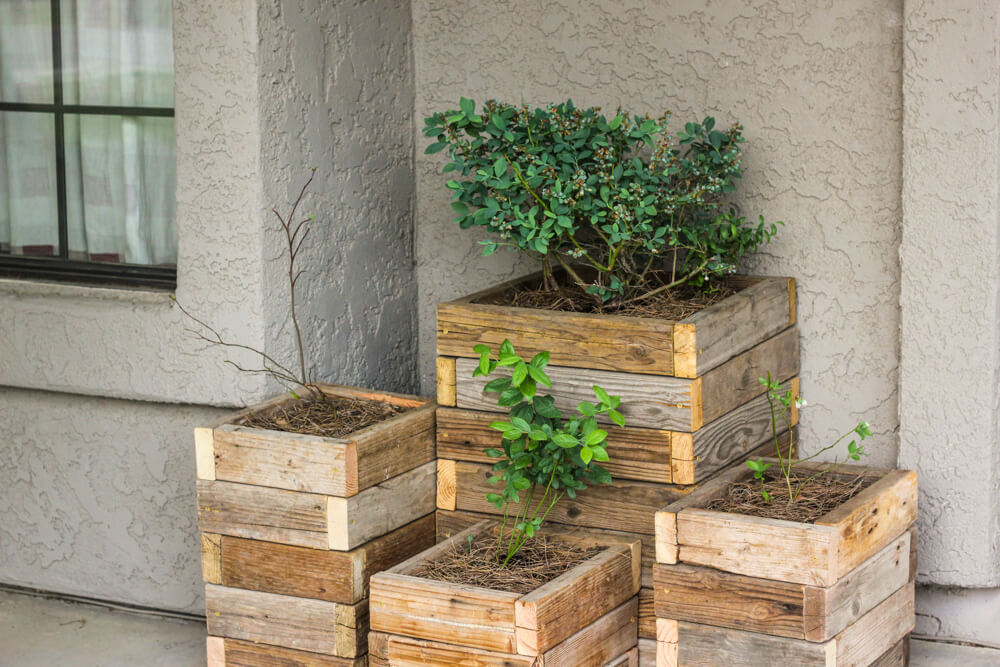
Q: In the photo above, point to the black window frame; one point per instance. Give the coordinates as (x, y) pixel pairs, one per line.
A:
(61, 267)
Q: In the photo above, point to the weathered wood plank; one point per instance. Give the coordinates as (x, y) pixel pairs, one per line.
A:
(282, 460)
(766, 548)
(698, 644)
(647, 613)
(580, 340)
(395, 446)
(445, 381)
(736, 381)
(204, 453)
(649, 401)
(410, 652)
(829, 610)
(636, 453)
(211, 558)
(730, 438)
(382, 508)
(873, 518)
(862, 642)
(599, 642)
(647, 652)
(335, 576)
(446, 484)
(716, 334)
(453, 613)
(624, 505)
(280, 620)
(262, 513)
(578, 597)
(630, 659)
(712, 597)
(238, 653)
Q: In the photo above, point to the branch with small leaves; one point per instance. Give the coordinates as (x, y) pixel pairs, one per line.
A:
(541, 454)
(295, 231)
(781, 401)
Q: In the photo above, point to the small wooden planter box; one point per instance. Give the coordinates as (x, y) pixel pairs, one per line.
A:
(562, 622)
(237, 653)
(733, 589)
(687, 349)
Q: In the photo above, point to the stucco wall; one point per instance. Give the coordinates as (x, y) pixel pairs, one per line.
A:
(97, 498)
(951, 287)
(817, 87)
(336, 90)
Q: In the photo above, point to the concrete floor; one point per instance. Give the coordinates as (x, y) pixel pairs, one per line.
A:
(36, 632)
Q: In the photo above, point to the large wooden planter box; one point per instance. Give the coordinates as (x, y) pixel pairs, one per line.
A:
(586, 616)
(733, 589)
(293, 527)
(685, 349)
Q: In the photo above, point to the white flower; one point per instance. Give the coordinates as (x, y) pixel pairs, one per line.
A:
(800, 402)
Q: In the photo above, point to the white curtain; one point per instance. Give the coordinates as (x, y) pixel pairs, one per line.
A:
(120, 170)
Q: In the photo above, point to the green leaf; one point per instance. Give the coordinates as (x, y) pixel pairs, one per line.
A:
(500, 167)
(539, 376)
(565, 440)
(540, 360)
(509, 359)
(616, 417)
(587, 408)
(602, 395)
(615, 122)
(459, 208)
(586, 454)
(497, 385)
(509, 397)
(467, 106)
(493, 453)
(521, 483)
(500, 426)
(600, 454)
(597, 436)
(493, 498)
(519, 374)
(539, 435)
(481, 349)
(507, 348)
(436, 147)
(521, 425)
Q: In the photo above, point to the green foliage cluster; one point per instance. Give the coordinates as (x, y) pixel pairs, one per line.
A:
(542, 455)
(617, 195)
(781, 403)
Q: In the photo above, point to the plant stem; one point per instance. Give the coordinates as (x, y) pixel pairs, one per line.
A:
(663, 288)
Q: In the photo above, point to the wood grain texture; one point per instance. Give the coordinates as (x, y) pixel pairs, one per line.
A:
(280, 620)
(394, 446)
(736, 381)
(261, 513)
(411, 652)
(578, 597)
(599, 642)
(829, 610)
(862, 642)
(647, 613)
(699, 644)
(446, 484)
(211, 558)
(452, 613)
(624, 505)
(335, 576)
(238, 653)
(204, 450)
(648, 401)
(873, 518)
(647, 653)
(445, 381)
(636, 453)
(215, 652)
(630, 659)
(765, 548)
(382, 508)
(712, 597)
(579, 340)
(736, 323)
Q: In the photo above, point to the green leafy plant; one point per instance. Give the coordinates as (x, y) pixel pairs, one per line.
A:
(617, 195)
(541, 454)
(781, 402)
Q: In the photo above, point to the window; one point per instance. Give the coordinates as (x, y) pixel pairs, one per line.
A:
(87, 164)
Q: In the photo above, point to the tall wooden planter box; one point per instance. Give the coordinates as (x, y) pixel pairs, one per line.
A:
(689, 392)
(293, 526)
(588, 616)
(734, 589)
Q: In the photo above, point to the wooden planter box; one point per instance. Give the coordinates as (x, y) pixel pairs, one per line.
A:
(586, 616)
(293, 527)
(686, 349)
(752, 590)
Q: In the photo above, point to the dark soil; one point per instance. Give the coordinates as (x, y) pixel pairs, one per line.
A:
(674, 304)
(330, 418)
(538, 562)
(819, 496)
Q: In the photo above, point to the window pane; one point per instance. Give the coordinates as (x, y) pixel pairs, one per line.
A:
(118, 52)
(120, 189)
(29, 217)
(25, 51)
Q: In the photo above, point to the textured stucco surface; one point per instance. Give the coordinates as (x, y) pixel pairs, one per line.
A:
(97, 498)
(336, 91)
(971, 614)
(951, 278)
(817, 87)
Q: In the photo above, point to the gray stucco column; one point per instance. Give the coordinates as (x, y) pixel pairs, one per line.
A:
(950, 303)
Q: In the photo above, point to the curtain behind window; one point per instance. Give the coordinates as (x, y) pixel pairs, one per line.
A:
(120, 170)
